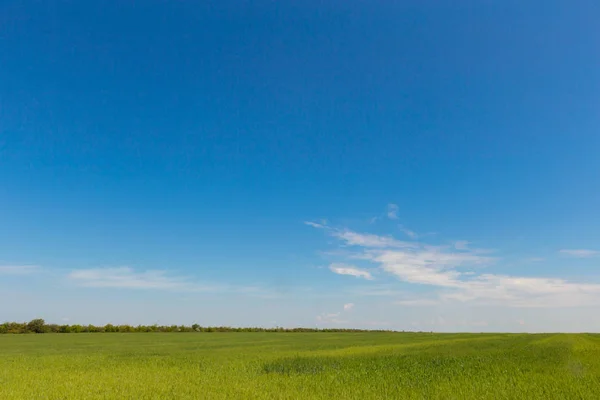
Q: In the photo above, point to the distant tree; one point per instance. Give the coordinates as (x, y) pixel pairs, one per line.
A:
(125, 328)
(37, 325)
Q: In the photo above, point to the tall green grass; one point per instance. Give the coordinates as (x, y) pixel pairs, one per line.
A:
(299, 366)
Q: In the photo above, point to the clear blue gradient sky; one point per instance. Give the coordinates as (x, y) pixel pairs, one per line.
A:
(388, 164)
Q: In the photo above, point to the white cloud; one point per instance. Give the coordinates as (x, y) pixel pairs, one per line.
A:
(488, 289)
(348, 306)
(426, 265)
(18, 269)
(580, 253)
(392, 211)
(453, 274)
(519, 291)
(344, 269)
(513, 291)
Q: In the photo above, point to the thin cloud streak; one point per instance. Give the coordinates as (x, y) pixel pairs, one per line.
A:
(461, 245)
(128, 278)
(351, 238)
(580, 253)
(418, 302)
(392, 211)
(344, 269)
(19, 269)
(314, 224)
(409, 233)
(369, 240)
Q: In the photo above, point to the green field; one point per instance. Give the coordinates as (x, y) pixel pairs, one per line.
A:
(299, 366)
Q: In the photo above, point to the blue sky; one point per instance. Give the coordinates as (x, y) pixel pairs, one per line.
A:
(422, 165)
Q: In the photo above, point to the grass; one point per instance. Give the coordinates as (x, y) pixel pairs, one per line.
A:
(299, 366)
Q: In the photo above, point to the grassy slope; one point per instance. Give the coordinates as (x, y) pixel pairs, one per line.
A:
(302, 365)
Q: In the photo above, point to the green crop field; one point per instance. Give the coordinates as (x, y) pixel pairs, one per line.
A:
(299, 366)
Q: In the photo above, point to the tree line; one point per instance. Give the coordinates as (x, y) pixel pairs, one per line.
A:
(40, 326)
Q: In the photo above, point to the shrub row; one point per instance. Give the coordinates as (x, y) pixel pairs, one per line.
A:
(40, 326)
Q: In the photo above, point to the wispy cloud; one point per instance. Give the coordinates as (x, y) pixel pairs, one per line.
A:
(535, 259)
(453, 274)
(128, 278)
(18, 269)
(440, 270)
(461, 245)
(428, 265)
(334, 318)
(368, 240)
(376, 290)
(344, 269)
(440, 321)
(409, 233)
(519, 291)
(330, 318)
(418, 302)
(580, 253)
(315, 224)
(351, 238)
(392, 211)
